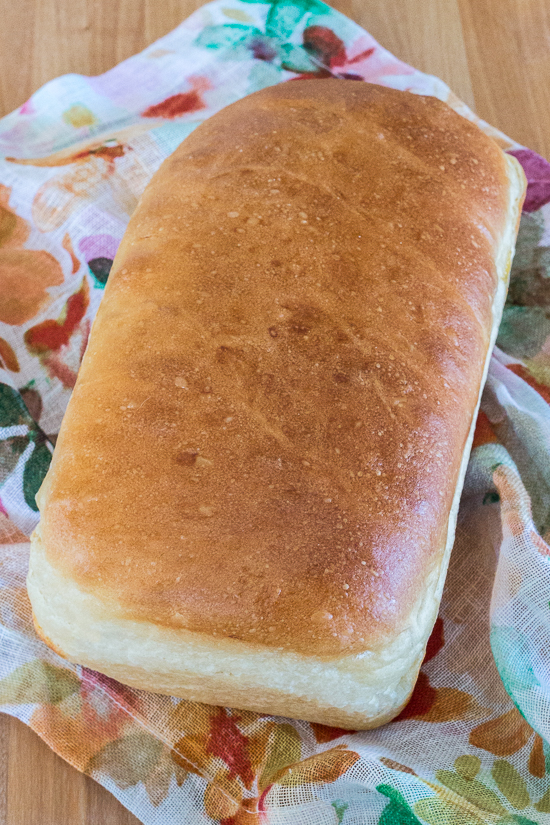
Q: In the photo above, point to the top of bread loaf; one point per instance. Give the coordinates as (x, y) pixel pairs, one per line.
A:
(266, 433)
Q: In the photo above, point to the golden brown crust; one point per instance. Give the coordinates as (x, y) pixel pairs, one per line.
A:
(266, 433)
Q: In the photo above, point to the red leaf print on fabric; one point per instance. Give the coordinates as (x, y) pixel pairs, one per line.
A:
(325, 45)
(50, 336)
(176, 105)
(483, 433)
(313, 75)
(422, 699)
(436, 640)
(226, 741)
(362, 56)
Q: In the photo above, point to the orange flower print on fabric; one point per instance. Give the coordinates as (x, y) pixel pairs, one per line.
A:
(539, 543)
(9, 533)
(53, 341)
(483, 433)
(14, 231)
(327, 766)
(49, 335)
(55, 725)
(239, 752)
(324, 733)
(67, 708)
(59, 196)
(502, 736)
(107, 151)
(250, 812)
(537, 761)
(68, 247)
(8, 358)
(25, 274)
(396, 766)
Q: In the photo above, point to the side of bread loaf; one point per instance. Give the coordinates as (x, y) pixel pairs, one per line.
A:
(254, 493)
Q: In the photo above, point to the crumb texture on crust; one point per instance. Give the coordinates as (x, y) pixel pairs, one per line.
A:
(265, 445)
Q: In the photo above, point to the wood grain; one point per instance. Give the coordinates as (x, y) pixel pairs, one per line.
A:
(508, 53)
(495, 54)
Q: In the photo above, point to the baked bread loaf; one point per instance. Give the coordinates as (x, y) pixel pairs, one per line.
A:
(254, 492)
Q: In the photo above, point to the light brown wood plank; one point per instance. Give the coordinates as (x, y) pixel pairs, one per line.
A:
(161, 18)
(104, 809)
(16, 81)
(42, 788)
(38, 788)
(427, 34)
(508, 49)
(4, 767)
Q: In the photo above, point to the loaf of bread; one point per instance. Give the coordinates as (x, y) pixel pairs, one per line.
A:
(254, 493)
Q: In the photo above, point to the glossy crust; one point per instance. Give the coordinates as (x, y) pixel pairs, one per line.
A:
(267, 433)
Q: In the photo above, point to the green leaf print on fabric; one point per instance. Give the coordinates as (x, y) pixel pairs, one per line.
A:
(472, 790)
(530, 274)
(511, 651)
(286, 749)
(14, 413)
(262, 74)
(437, 812)
(340, 808)
(128, 760)
(523, 330)
(38, 682)
(296, 59)
(525, 323)
(467, 767)
(12, 408)
(10, 451)
(398, 812)
(543, 805)
(510, 784)
(34, 473)
(531, 229)
(225, 36)
(284, 16)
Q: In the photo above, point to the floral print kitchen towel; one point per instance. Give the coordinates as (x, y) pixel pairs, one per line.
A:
(471, 745)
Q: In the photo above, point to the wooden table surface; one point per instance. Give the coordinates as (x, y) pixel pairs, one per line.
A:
(495, 54)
